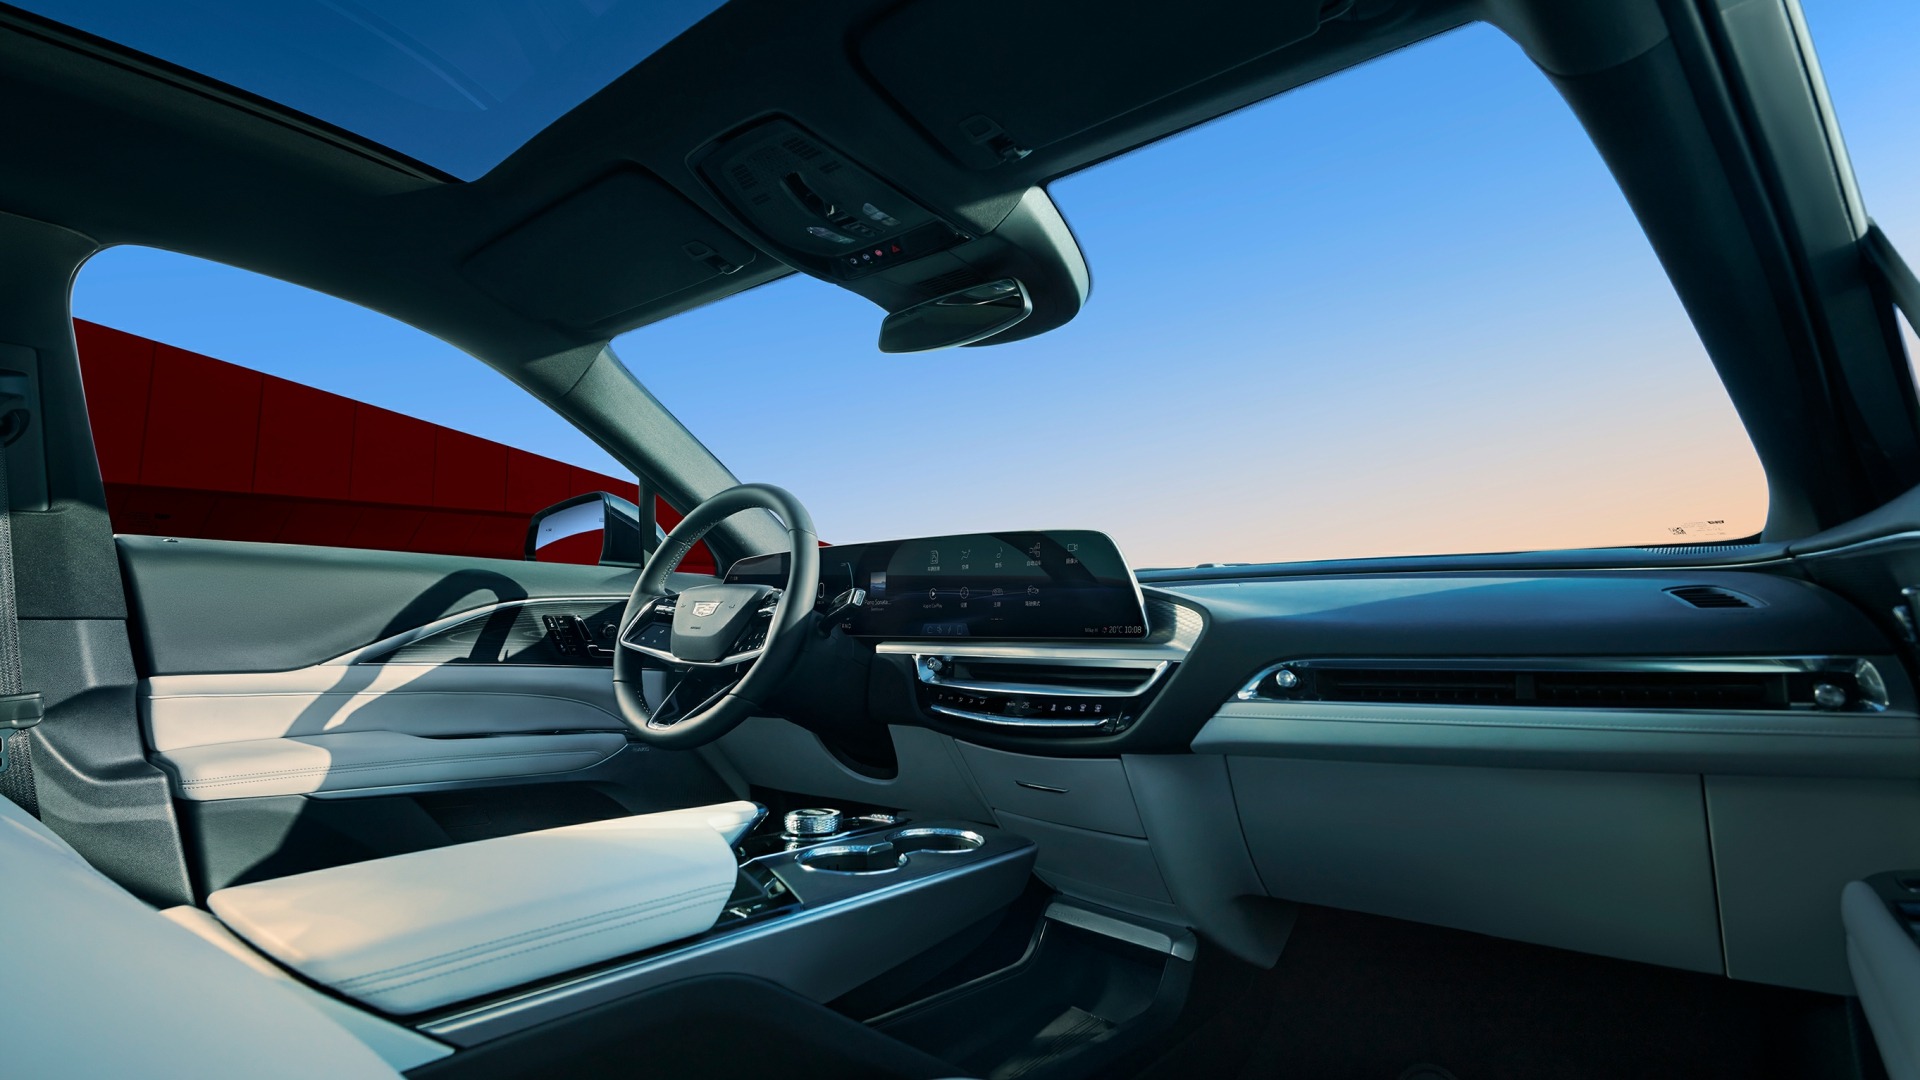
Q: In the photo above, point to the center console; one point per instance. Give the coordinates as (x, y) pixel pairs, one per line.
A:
(818, 913)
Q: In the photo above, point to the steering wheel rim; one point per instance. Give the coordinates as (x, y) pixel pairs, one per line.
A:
(764, 666)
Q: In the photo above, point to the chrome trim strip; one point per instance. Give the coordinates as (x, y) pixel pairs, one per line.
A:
(491, 1021)
(662, 654)
(401, 640)
(1884, 693)
(1076, 724)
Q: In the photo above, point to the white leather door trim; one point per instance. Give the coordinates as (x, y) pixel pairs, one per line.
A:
(370, 759)
(449, 699)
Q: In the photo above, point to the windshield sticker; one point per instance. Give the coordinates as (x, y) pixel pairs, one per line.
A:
(1698, 530)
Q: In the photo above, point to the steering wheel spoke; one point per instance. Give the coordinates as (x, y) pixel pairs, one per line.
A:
(690, 691)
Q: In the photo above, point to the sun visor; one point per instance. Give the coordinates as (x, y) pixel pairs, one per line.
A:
(1056, 69)
(622, 243)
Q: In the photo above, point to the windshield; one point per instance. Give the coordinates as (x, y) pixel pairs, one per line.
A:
(1404, 310)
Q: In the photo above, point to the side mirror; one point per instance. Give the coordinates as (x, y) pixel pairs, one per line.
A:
(623, 529)
(958, 318)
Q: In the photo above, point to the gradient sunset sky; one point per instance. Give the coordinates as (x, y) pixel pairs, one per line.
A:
(1402, 310)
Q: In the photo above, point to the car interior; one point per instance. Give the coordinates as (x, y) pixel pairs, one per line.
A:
(995, 804)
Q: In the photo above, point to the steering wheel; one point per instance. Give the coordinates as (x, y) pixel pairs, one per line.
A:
(725, 647)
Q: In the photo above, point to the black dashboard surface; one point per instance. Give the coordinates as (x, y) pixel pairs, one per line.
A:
(1253, 623)
(1055, 584)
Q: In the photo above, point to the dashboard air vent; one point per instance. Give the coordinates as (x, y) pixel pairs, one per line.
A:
(1711, 596)
(1712, 684)
(1037, 696)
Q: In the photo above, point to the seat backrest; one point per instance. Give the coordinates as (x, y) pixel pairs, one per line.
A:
(99, 984)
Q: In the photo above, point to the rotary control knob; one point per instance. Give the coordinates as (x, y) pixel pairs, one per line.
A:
(812, 822)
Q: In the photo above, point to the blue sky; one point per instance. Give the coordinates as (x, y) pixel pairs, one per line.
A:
(1403, 310)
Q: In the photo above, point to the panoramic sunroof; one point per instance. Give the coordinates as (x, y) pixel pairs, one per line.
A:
(457, 84)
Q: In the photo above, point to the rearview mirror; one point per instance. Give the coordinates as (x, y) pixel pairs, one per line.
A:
(619, 523)
(958, 318)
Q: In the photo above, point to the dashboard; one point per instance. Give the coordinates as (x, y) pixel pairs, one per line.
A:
(1054, 584)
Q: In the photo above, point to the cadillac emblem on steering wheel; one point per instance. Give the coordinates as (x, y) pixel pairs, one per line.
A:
(705, 608)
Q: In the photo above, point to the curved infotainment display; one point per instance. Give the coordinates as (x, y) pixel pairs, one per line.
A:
(1058, 583)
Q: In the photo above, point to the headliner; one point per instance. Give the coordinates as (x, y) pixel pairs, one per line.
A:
(169, 160)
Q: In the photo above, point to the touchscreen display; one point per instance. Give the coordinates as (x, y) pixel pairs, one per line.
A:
(1054, 584)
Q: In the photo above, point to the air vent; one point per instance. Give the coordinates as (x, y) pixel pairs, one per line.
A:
(1422, 687)
(800, 148)
(1659, 690)
(1711, 596)
(1038, 697)
(1063, 677)
(1710, 684)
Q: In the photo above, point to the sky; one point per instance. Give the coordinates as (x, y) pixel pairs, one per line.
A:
(1403, 310)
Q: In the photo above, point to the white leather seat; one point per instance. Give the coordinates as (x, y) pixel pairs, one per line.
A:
(100, 984)
(1886, 974)
(417, 931)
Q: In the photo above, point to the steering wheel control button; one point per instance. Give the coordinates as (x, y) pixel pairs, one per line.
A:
(812, 822)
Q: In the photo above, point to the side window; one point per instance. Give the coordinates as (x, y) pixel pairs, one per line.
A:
(230, 406)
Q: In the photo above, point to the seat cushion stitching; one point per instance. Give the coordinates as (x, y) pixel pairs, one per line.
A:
(543, 945)
(511, 939)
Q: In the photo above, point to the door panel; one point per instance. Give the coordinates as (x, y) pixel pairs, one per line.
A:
(313, 706)
(204, 606)
(429, 701)
(372, 760)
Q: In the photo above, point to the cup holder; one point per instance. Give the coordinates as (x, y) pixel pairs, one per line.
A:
(878, 858)
(937, 841)
(890, 854)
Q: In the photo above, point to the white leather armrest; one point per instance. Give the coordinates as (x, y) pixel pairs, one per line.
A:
(369, 759)
(417, 931)
(1886, 974)
(730, 819)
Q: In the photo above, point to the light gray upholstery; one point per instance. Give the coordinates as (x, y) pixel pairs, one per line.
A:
(354, 760)
(1886, 973)
(99, 984)
(417, 931)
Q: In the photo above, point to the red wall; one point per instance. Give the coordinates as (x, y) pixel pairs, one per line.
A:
(197, 447)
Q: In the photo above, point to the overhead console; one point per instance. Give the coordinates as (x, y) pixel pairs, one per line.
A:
(825, 214)
(840, 220)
